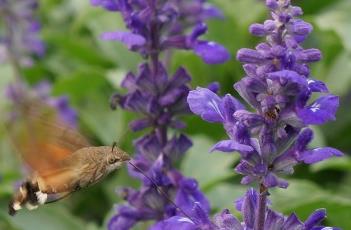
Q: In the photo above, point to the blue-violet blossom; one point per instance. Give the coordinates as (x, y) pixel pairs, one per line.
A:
(20, 39)
(157, 26)
(278, 85)
(248, 207)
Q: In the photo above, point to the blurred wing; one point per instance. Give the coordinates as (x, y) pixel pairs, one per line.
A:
(41, 137)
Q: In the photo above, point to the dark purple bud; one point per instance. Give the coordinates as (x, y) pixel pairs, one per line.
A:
(274, 220)
(214, 87)
(231, 146)
(296, 11)
(272, 4)
(200, 29)
(315, 218)
(292, 222)
(249, 56)
(257, 30)
(301, 27)
(309, 55)
(226, 221)
(317, 86)
(249, 208)
(319, 154)
(140, 124)
(269, 25)
(211, 52)
(131, 40)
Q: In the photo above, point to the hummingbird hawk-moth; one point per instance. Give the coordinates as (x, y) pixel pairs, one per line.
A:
(60, 160)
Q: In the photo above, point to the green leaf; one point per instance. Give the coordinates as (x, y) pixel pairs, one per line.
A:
(340, 163)
(207, 168)
(303, 197)
(338, 18)
(340, 69)
(223, 196)
(50, 216)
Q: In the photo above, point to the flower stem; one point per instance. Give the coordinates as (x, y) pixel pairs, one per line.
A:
(261, 211)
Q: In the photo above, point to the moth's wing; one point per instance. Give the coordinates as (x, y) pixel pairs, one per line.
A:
(42, 138)
(64, 180)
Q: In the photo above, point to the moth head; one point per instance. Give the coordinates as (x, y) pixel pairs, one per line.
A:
(115, 157)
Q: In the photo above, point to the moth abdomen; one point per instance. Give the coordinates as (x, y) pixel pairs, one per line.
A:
(28, 195)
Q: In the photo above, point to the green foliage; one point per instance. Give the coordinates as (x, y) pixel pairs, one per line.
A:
(89, 70)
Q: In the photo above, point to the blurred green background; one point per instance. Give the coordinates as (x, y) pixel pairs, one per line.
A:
(89, 70)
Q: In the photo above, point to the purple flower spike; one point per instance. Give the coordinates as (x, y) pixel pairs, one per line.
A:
(23, 41)
(278, 87)
(175, 17)
(160, 100)
(198, 219)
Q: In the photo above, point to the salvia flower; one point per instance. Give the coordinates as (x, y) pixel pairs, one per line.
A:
(273, 136)
(159, 98)
(247, 205)
(156, 26)
(19, 38)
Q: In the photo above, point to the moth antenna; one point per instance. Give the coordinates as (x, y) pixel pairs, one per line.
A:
(161, 191)
(114, 145)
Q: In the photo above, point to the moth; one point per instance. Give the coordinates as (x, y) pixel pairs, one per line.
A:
(59, 159)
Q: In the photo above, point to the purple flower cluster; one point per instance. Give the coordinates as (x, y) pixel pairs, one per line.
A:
(19, 39)
(156, 26)
(278, 86)
(248, 206)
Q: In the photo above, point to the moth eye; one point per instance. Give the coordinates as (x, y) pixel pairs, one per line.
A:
(112, 160)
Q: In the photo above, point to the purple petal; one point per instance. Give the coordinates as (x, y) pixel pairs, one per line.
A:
(317, 86)
(319, 154)
(175, 223)
(214, 87)
(249, 207)
(248, 119)
(230, 105)
(249, 56)
(292, 222)
(304, 138)
(199, 29)
(129, 39)
(257, 30)
(139, 124)
(321, 111)
(121, 222)
(206, 104)
(231, 146)
(274, 220)
(189, 194)
(315, 218)
(211, 52)
(226, 221)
